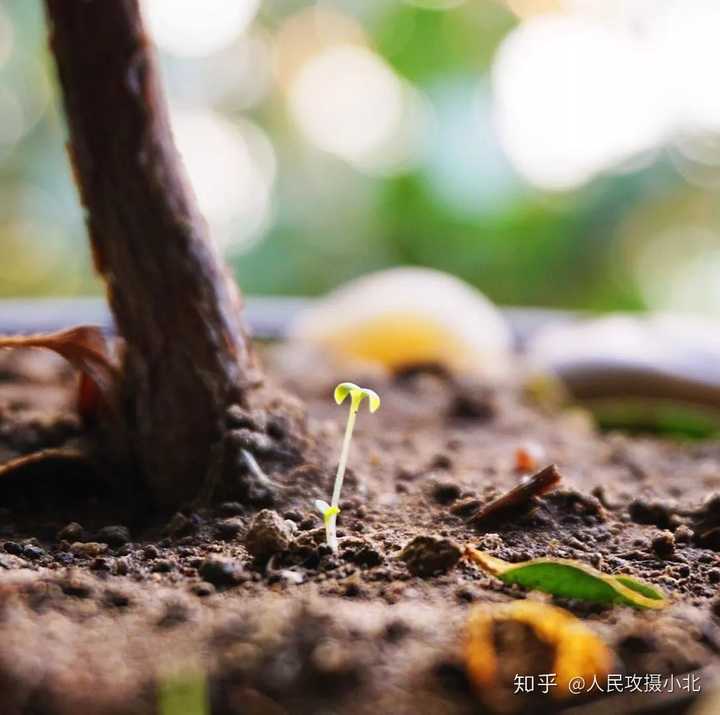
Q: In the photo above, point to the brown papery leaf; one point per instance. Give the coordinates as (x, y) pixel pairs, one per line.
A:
(85, 348)
(72, 455)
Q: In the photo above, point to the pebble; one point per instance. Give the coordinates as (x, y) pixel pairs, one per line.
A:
(33, 552)
(445, 491)
(663, 544)
(150, 552)
(13, 548)
(228, 529)
(426, 555)
(70, 532)
(684, 534)
(269, 534)
(114, 536)
(89, 549)
(220, 572)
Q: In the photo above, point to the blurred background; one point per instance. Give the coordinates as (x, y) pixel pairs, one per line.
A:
(552, 152)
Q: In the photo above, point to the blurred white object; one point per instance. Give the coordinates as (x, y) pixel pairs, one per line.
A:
(664, 356)
(409, 316)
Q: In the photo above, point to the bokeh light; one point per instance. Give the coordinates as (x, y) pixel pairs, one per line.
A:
(679, 269)
(350, 103)
(231, 166)
(551, 152)
(7, 37)
(573, 98)
(192, 29)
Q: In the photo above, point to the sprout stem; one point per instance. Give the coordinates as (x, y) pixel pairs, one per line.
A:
(330, 511)
(330, 526)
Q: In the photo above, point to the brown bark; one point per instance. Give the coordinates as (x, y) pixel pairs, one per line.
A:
(187, 354)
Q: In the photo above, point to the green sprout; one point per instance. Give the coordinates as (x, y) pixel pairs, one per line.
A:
(330, 511)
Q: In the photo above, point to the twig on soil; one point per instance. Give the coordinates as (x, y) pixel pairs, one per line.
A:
(520, 497)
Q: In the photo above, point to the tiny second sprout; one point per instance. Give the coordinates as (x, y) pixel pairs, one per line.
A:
(330, 511)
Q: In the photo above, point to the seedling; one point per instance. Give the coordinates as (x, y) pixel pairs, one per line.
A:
(330, 511)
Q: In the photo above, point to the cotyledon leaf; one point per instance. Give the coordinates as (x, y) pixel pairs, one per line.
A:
(571, 579)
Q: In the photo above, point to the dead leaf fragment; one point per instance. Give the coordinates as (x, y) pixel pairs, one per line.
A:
(576, 651)
(85, 347)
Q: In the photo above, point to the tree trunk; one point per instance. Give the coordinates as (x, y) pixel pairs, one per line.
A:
(187, 355)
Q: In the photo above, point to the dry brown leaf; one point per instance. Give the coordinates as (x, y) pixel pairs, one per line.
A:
(85, 348)
(71, 454)
(578, 651)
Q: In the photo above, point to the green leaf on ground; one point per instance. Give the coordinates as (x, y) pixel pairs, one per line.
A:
(571, 579)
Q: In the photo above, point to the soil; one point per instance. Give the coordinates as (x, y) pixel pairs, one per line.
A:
(101, 615)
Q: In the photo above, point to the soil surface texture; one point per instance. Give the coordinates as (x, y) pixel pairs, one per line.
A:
(243, 603)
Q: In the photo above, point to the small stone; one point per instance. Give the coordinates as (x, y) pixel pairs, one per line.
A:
(64, 558)
(663, 544)
(13, 548)
(162, 566)
(91, 549)
(426, 555)
(228, 529)
(714, 575)
(360, 552)
(70, 532)
(445, 491)
(269, 534)
(33, 552)
(150, 552)
(220, 572)
(114, 536)
(684, 534)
